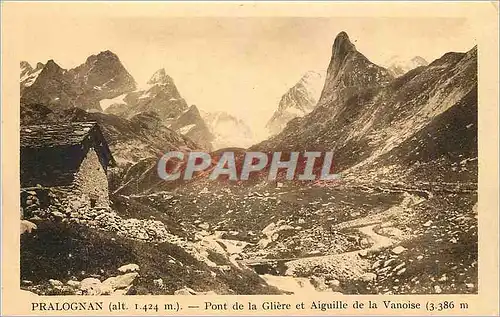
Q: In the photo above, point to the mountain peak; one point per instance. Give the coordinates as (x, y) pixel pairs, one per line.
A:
(349, 68)
(106, 57)
(194, 109)
(342, 45)
(399, 66)
(25, 64)
(420, 60)
(160, 77)
(107, 54)
(51, 65)
(342, 36)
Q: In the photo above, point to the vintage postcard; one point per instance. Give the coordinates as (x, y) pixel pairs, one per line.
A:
(250, 158)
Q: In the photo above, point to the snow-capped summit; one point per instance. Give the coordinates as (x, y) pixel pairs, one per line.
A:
(399, 66)
(228, 130)
(297, 101)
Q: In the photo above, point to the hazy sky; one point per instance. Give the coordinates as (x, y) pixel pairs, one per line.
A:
(239, 65)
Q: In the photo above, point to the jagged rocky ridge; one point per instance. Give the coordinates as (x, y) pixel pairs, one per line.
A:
(101, 76)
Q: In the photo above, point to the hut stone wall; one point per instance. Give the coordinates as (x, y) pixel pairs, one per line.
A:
(91, 183)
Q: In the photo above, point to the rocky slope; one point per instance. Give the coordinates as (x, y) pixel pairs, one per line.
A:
(297, 101)
(101, 76)
(133, 248)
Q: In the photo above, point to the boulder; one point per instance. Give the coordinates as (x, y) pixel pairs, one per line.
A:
(398, 250)
(368, 277)
(388, 262)
(58, 215)
(73, 283)
(185, 291)
(55, 283)
(190, 291)
(121, 281)
(204, 226)
(159, 283)
(335, 285)
(106, 289)
(319, 283)
(401, 271)
(363, 253)
(437, 289)
(129, 268)
(27, 226)
(90, 286)
(377, 264)
(269, 229)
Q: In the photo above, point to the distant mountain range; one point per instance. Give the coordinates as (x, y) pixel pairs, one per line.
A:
(363, 112)
(102, 84)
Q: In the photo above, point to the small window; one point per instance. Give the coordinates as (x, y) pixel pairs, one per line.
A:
(93, 202)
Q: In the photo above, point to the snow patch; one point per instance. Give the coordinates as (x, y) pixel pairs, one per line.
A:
(186, 129)
(28, 79)
(105, 103)
(145, 95)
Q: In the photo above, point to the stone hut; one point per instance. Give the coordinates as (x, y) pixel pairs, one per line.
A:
(68, 161)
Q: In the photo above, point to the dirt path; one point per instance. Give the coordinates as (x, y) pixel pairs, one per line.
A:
(349, 265)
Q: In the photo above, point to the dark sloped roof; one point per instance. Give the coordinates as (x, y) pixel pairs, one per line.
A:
(52, 153)
(49, 135)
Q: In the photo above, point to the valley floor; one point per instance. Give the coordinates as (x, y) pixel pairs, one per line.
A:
(345, 238)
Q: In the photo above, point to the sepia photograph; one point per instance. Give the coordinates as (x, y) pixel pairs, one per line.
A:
(401, 122)
(246, 154)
